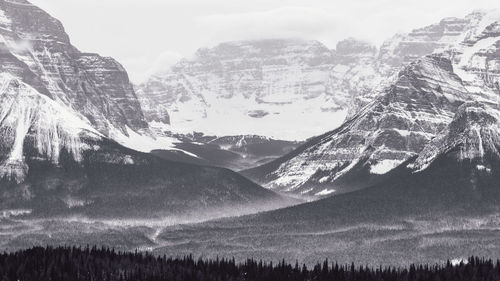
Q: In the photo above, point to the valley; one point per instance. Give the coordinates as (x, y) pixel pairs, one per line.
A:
(272, 149)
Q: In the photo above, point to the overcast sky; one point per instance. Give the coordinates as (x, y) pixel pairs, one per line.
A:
(148, 35)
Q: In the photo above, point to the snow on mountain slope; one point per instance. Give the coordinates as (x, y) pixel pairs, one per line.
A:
(477, 58)
(53, 94)
(281, 88)
(287, 89)
(30, 120)
(405, 48)
(35, 49)
(470, 42)
(473, 135)
(53, 162)
(402, 49)
(405, 116)
(383, 135)
(97, 87)
(66, 120)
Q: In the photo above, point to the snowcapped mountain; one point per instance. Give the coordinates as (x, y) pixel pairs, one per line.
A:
(288, 88)
(281, 88)
(477, 58)
(36, 49)
(384, 134)
(402, 49)
(404, 117)
(73, 136)
(54, 93)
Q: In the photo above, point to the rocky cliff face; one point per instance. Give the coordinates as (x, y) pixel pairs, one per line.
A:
(472, 136)
(405, 48)
(402, 49)
(53, 162)
(35, 48)
(405, 116)
(63, 114)
(54, 97)
(280, 88)
(291, 86)
(32, 122)
(386, 133)
(477, 58)
(261, 84)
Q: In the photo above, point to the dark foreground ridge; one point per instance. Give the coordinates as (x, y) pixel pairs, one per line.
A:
(65, 263)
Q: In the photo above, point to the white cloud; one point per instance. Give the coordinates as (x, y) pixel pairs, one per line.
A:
(20, 46)
(140, 68)
(285, 22)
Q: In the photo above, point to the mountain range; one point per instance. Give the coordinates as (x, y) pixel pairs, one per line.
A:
(401, 120)
(74, 138)
(397, 146)
(285, 88)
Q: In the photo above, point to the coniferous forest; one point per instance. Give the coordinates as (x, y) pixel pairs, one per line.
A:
(65, 263)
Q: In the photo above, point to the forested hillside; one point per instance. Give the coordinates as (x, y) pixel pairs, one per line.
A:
(68, 264)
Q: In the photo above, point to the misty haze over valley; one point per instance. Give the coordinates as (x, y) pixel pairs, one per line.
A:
(292, 133)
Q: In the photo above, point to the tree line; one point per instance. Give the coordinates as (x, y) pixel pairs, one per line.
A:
(96, 264)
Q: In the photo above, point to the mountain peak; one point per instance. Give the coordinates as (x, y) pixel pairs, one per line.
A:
(32, 23)
(384, 134)
(38, 51)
